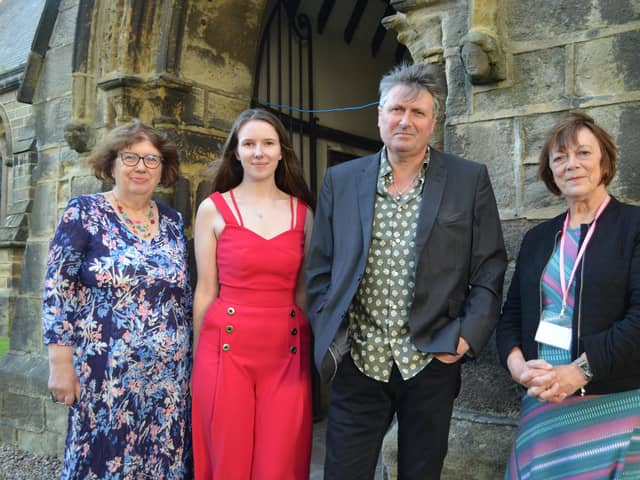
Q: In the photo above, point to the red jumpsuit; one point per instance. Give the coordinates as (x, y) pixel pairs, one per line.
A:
(251, 384)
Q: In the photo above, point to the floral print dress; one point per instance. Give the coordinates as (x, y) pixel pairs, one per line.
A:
(124, 305)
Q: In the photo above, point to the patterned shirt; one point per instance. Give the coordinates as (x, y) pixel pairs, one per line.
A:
(379, 313)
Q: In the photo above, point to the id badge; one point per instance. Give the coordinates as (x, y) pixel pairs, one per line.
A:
(554, 330)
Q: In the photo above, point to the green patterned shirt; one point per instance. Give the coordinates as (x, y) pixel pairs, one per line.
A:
(379, 313)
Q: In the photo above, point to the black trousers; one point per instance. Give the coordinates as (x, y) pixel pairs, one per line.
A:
(362, 408)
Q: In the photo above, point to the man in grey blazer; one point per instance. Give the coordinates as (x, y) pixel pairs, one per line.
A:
(404, 280)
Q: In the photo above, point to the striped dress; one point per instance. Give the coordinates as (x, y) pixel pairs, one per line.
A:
(584, 437)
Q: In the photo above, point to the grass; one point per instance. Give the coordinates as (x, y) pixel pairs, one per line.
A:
(4, 346)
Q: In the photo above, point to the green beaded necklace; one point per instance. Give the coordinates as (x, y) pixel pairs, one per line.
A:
(139, 227)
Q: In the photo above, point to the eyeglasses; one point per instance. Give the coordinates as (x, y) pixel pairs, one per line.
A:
(131, 159)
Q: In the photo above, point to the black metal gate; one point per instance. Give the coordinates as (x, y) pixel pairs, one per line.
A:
(284, 85)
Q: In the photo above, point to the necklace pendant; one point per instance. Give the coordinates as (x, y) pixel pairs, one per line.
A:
(398, 198)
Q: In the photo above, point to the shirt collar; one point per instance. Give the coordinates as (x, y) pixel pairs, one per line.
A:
(385, 172)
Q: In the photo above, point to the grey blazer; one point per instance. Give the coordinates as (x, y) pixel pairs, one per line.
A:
(459, 253)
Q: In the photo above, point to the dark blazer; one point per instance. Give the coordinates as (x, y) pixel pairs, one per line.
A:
(460, 256)
(606, 319)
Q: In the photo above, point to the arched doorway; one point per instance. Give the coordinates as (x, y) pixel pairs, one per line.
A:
(318, 67)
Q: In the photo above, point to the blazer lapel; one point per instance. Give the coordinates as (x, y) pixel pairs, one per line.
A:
(435, 181)
(366, 187)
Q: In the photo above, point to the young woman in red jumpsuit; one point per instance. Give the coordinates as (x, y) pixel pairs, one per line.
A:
(251, 383)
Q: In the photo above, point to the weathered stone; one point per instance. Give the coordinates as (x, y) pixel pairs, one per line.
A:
(26, 331)
(538, 77)
(48, 164)
(85, 184)
(594, 75)
(458, 99)
(535, 129)
(51, 118)
(65, 25)
(490, 143)
(45, 212)
(26, 412)
(626, 53)
(194, 107)
(552, 18)
(182, 200)
(56, 417)
(24, 374)
(45, 443)
(628, 147)
(57, 82)
(535, 193)
(619, 11)
(8, 433)
(33, 274)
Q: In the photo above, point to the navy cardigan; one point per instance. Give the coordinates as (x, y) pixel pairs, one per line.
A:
(606, 320)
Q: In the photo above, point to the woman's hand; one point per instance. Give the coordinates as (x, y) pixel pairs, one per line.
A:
(536, 376)
(63, 381)
(569, 378)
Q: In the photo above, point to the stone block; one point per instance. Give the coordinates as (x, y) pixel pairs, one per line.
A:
(44, 216)
(490, 143)
(56, 417)
(64, 29)
(458, 101)
(594, 75)
(618, 12)
(628, 142)
(51, 118)
(198, 148)
(194, 107)
(535, 129)
(35, 264)
(221, 111)
(626, 56)
(26, 412)
(538, 77)
(45, 443)
(8, 433)
(48, 165)
(535, 194)
(26, 331)
(85, 184)
(544, 19)
(55, 80)
(24, 373)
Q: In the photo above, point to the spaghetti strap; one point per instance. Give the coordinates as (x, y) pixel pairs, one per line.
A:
(233, 199)
(293, 218)
(222, 206)
(301, 215)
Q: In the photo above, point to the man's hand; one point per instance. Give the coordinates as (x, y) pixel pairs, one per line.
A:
(463, 347)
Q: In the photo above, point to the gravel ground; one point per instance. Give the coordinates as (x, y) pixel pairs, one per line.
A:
(20, 465)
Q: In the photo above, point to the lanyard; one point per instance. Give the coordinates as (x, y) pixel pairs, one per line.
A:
(563, 285)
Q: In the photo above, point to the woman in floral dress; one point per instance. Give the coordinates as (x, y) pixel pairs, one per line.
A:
(116, 317)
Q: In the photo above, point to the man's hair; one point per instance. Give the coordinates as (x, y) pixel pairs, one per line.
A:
(416, 78)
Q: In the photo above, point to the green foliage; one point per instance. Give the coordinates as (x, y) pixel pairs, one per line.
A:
(4, 346)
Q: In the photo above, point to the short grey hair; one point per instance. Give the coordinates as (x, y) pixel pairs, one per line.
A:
(416, 78)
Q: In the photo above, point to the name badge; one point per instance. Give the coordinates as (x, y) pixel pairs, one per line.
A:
(555, 330)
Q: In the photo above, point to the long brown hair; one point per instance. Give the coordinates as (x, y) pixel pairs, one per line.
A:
(288, 175)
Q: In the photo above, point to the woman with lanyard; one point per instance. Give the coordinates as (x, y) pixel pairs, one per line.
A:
(570, 327)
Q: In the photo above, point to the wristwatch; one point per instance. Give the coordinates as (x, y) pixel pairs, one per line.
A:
(583, 364)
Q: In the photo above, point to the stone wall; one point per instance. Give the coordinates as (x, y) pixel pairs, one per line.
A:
(19, 160)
